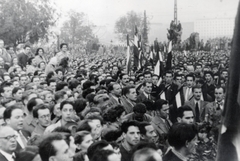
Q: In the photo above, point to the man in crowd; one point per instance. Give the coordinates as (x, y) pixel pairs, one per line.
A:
(198, 106)
(183, 139)
(14, 118)
(8, 144)
(128, 99)
(131, 135)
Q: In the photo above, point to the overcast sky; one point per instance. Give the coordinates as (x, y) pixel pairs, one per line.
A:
(106, 12)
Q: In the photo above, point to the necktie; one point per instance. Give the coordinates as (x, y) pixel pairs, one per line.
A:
(218, 106)
(167, 123)
(23, 139)
(13, 157)
(119, 101)
(197, 113)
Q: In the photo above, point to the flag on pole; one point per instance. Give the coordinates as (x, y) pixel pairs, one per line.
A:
(128, 56)
(229, 138)
(169, 57)
(135, 49)
(140, 56)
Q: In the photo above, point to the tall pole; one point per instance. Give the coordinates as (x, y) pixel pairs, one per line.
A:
(175, 11)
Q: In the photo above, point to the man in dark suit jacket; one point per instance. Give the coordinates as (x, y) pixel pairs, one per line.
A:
(198, 106)
(115, 92)
(146, 94)
(8, 144)
(168, 90)
(14, 116)
(182, 146)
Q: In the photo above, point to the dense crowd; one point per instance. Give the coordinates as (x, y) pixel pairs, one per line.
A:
(87, 107)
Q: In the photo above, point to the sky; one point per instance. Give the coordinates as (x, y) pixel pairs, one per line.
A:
(104, 13)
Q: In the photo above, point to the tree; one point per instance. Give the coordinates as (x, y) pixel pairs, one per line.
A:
(24, 21)
(125, 25)
(75, 29)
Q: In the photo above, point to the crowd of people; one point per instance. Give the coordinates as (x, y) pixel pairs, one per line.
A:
(89, 108)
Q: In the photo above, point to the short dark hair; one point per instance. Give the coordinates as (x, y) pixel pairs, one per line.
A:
(190, 75)
(79, 136)
(180, 133)
(140, 108)
(15, 90)
(196, 87)
(126, 90)
(159, 103)
(39, 107)
(62, 44)
(127, 124)
(101, 155)
(31, 103)
(142, 128)
(99, 145)
(8, 111)
(60, 85)
(46, 148)
(182, 109)
(64, 103)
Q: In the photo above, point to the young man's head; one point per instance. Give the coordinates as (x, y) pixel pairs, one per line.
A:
(115, 89)
(41, 113)
(183, 138)
(148, 132)
(219, 94)
(130, 92)
(168, 77)
(14, 117)
(55, 148)
(147, 76)
(155, 79)
(139, 110)
(6, 90)
(17, 93)
(185, 115)
(197, 92)
(67, 110)
(124, 79)
(147, 87)
(162, 108)
(131, 133)
(190, 80)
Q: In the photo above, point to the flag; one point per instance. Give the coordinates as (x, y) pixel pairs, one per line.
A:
(151, 55)
(169, 57)
(135, 49)
(128, 56)
(140, 56)
(158, 69)
(229, 138)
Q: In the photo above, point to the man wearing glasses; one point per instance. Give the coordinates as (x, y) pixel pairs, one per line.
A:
(8, 143)
(41, 114)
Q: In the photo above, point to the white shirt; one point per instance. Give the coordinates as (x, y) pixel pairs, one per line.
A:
(8, 156)
(19, 140)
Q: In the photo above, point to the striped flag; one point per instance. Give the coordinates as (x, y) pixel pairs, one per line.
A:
(136, 49)
(128, 56)
(169, 57)
(140, 56)
(229, 138)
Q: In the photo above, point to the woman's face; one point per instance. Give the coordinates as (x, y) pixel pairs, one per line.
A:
(40, 52)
